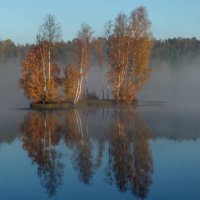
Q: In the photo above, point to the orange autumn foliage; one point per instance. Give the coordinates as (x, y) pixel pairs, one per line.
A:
(70, 80)
(129, 49)
(34, 76)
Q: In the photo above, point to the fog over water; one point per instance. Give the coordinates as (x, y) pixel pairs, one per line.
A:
(170, 83)
(11, 95)
(174, 83)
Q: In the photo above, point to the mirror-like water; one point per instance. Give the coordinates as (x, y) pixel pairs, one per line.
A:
(148, 152)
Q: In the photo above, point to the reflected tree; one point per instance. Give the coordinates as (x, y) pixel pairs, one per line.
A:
(78, 139)
(119, 134)
(40, 134)
(130, 164)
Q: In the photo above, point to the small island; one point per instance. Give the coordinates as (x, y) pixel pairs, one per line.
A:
(124, 51)
(68, 105)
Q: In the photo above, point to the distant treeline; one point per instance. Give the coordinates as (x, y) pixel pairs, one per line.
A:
(9, 50)
(176, 49)
(170, 50)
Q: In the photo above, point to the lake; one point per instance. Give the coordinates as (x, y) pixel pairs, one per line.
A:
(151, 151)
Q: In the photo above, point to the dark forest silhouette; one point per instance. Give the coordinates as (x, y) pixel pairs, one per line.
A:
(172, 49)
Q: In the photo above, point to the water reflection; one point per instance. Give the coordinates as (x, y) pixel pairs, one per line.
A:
(115, 140)
(39, 137)
(78, 139)
(130, 162)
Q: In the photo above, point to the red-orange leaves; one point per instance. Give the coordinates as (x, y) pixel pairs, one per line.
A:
(34, 75)
(70, 82)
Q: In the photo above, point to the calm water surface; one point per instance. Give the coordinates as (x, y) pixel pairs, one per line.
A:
(148, 152)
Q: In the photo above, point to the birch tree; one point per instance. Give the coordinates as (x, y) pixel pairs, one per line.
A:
(82, 50)
(70, 80)
(49, 31)
(142, 41)
(119, 47)
(129, 47)
(33, 80)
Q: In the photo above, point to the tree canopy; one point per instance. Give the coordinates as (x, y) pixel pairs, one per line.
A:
(125, 51)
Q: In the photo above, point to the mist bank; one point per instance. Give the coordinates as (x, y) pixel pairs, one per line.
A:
(176, 84)
(172, 83)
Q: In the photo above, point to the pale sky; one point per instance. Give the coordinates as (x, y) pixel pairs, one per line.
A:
(20, 19)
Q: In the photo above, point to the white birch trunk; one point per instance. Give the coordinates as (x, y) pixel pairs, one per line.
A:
(49, 65)
(44, 75)
(76, 92)
(80, 86)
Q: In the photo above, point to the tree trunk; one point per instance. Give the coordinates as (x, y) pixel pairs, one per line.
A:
(45, 87)
(49, 65)
(80, 86)
(44, 77)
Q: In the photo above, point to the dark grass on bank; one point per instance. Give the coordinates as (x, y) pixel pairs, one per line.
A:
(62, 106)
(84, 103)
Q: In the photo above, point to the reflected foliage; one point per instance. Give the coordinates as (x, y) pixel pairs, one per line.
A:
(39, 136)
(78, 139)
(130, 163)
(115, 140)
